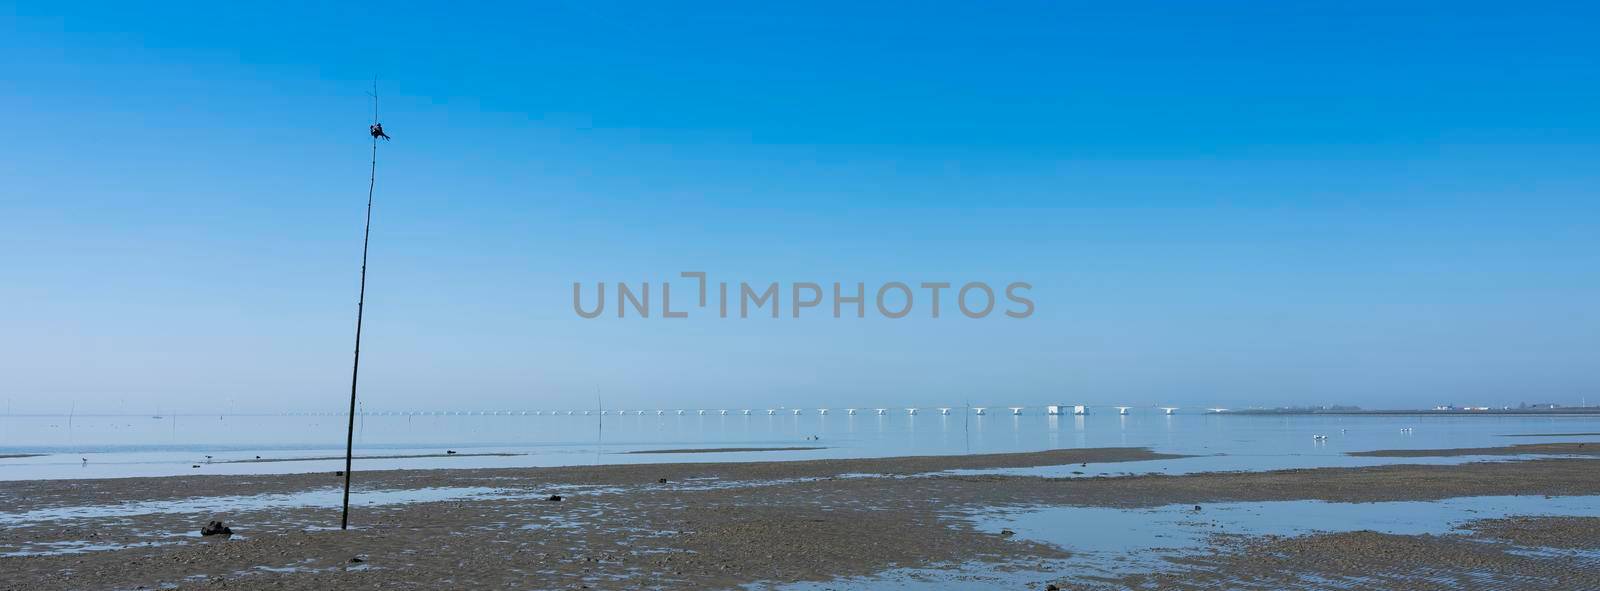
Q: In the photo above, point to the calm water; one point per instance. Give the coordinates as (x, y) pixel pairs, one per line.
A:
(119, 446)
(1130, 541)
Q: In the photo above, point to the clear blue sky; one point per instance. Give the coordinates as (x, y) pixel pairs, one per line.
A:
(1385, 203)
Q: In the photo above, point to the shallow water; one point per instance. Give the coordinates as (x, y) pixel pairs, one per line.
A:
(321, 497)
(950, 577)
(1108, 542)
(1232, 463)
(1113, 540)
(121, 446)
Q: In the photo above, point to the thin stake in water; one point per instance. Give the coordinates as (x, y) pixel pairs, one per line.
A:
(966, 428)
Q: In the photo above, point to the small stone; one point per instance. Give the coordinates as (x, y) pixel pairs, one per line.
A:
(1196, 507)
(215, 528)
(1007, 532)
(555, 498)
(661, 481)
(357, 560)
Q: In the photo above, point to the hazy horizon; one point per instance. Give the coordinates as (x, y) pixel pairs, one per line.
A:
(1221, 204)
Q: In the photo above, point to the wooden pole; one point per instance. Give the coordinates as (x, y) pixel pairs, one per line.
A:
(361, 302)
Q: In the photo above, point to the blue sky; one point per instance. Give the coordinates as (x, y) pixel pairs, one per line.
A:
(1385, 204)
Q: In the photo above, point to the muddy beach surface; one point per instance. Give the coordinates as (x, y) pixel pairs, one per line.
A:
(1369, 560)
(719, 450)
(261, 460)
(835, 523)
(1551, 435)
(1576, 448)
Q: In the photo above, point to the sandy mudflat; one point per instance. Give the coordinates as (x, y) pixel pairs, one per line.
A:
(1549, 532)
(715, 450)
(1550, 435)
(397, 457)
(726, 525)
(1365, 560)
(13, 456)
(1586, 449)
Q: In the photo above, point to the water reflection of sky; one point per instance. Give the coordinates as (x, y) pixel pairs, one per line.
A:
(143, 446)
(1095, 533)
(1109, 542)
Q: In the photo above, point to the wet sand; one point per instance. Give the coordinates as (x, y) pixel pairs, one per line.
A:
(14, 456)
(398, 457)
(1546, 532)
(1582, 448)
(1366, 560)
(726, 525)
(715, 450)
(1550, 435)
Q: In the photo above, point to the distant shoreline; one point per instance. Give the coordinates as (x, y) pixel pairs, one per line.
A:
(715, 450)
(1588, 448)
(394, 457)
(1575, 411)
(1549, 435)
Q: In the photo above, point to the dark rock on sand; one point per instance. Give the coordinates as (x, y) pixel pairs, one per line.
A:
(215, 528)
(555, 498)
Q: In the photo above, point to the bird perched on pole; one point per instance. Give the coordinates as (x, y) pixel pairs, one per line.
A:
(377, 131)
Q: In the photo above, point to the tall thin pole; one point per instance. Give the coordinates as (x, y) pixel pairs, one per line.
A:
(361, 303)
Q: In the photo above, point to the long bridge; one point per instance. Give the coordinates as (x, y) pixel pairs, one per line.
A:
(1047, 410)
